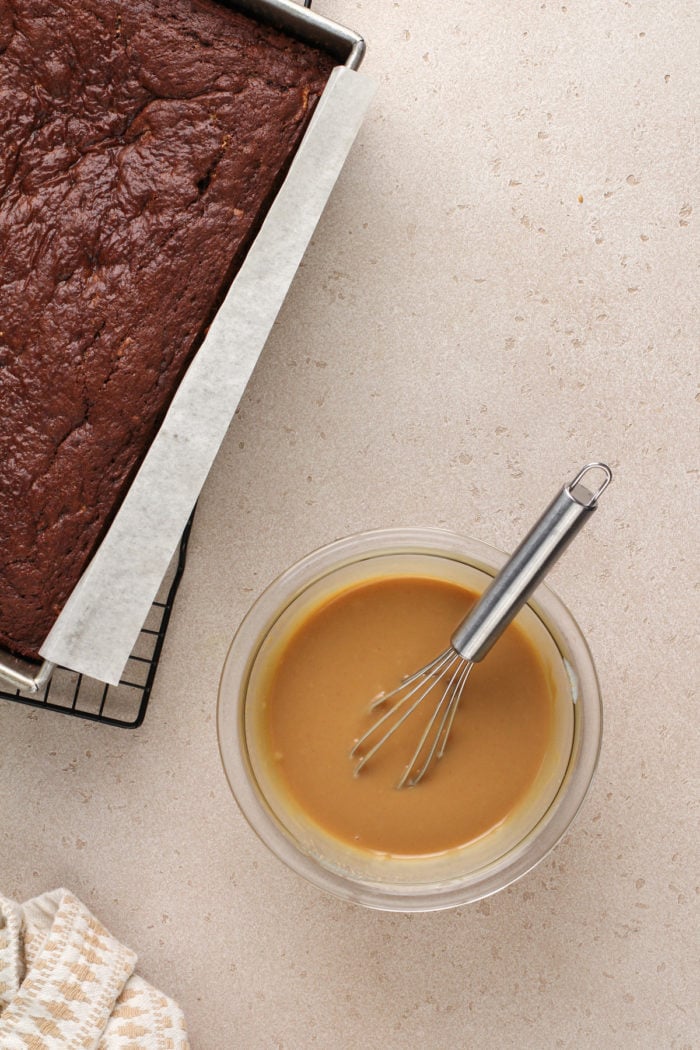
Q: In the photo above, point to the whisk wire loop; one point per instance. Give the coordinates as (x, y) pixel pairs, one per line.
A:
(454, 704)
(422, 684)
(449, 701)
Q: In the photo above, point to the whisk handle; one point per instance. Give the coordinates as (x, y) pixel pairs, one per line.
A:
(528, 566)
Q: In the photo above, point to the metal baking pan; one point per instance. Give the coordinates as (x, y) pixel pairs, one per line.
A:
(306, 25)
(30, 676)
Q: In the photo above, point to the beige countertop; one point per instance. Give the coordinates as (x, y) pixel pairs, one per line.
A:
(503, 286)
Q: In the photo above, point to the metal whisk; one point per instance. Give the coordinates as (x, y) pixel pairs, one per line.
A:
(446, 676)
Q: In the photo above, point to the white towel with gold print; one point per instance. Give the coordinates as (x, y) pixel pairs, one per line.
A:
(67, 984)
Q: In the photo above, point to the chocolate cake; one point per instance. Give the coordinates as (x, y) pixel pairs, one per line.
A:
(141, 142)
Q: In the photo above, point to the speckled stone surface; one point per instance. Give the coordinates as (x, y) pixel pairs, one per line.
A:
(503, 286)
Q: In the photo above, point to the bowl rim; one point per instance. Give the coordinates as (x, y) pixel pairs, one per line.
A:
(242, 651)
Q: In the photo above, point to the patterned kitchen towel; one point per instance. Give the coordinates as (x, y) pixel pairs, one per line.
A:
(67, 984)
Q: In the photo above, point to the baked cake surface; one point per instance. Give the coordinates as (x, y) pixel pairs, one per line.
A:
(140, 144)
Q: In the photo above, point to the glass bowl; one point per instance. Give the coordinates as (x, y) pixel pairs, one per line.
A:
(401, 883)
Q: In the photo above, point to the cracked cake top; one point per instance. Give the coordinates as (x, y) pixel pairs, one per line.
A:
(140, 145)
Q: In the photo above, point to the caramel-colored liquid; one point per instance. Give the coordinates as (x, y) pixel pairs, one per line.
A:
(316, 704)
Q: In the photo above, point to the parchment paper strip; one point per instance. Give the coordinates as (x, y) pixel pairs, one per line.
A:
(99, 624)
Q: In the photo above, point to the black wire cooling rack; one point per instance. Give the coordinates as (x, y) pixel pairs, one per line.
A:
(125, 704)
